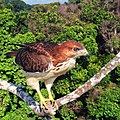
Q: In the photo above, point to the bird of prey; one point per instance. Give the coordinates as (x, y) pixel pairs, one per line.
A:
(46, 61)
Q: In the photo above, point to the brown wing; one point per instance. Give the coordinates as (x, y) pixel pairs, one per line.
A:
(33, 58)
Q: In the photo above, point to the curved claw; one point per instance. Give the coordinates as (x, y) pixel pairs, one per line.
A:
(44, 101)
(54, 103)
(52, 100)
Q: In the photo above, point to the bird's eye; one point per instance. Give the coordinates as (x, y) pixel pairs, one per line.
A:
(76, 49)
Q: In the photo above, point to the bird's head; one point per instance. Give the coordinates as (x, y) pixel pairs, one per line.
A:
(73, 49)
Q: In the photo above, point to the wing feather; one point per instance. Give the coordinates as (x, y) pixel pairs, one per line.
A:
(34, 58)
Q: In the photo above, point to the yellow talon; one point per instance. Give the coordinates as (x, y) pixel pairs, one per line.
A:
(44, 100)
(52, 100)
(56, 106)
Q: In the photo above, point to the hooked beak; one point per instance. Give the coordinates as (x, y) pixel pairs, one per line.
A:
(87, 55)
(84, 52)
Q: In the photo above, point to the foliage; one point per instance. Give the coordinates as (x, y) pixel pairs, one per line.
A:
(104, 15)
(18, 5)
(106, 106)
(22, 23)
(117, 73)
(7, 21)
(56, 23)
(95, 12)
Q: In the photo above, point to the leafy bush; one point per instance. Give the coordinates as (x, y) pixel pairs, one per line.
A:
(7, 21)
(106, 106)
(95, 12)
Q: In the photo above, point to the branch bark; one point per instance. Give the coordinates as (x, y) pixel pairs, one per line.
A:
(15, 89)
(90, 83)
(35, 106)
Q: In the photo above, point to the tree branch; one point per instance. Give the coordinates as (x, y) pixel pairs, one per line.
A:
(35, 106)
(15, 89)
(90, 83)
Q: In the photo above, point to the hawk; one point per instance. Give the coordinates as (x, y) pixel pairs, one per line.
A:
(46, 61)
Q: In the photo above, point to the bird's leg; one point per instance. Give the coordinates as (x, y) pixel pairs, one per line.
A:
(52, 100)
(48, 84)
(42, 99)
(34, 84)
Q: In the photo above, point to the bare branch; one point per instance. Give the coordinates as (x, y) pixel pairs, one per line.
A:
(90, 83)
(35, 106)
(15, 89)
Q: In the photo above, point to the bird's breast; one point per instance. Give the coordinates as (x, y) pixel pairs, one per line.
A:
(63, 67)
(55, 71)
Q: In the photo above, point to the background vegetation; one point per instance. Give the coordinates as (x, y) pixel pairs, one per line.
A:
(95, 23)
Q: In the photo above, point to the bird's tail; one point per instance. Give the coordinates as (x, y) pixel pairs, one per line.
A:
(11, 54)
(14, 53)
(21, 45)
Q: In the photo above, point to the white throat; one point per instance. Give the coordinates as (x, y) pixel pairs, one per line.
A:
(71, 63)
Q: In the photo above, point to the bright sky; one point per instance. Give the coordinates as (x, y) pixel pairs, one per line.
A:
(31, 2)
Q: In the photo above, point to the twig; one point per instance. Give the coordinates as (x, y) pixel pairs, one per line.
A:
(15, 89)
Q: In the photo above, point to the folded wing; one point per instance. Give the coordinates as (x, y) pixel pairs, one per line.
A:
(33, 58)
